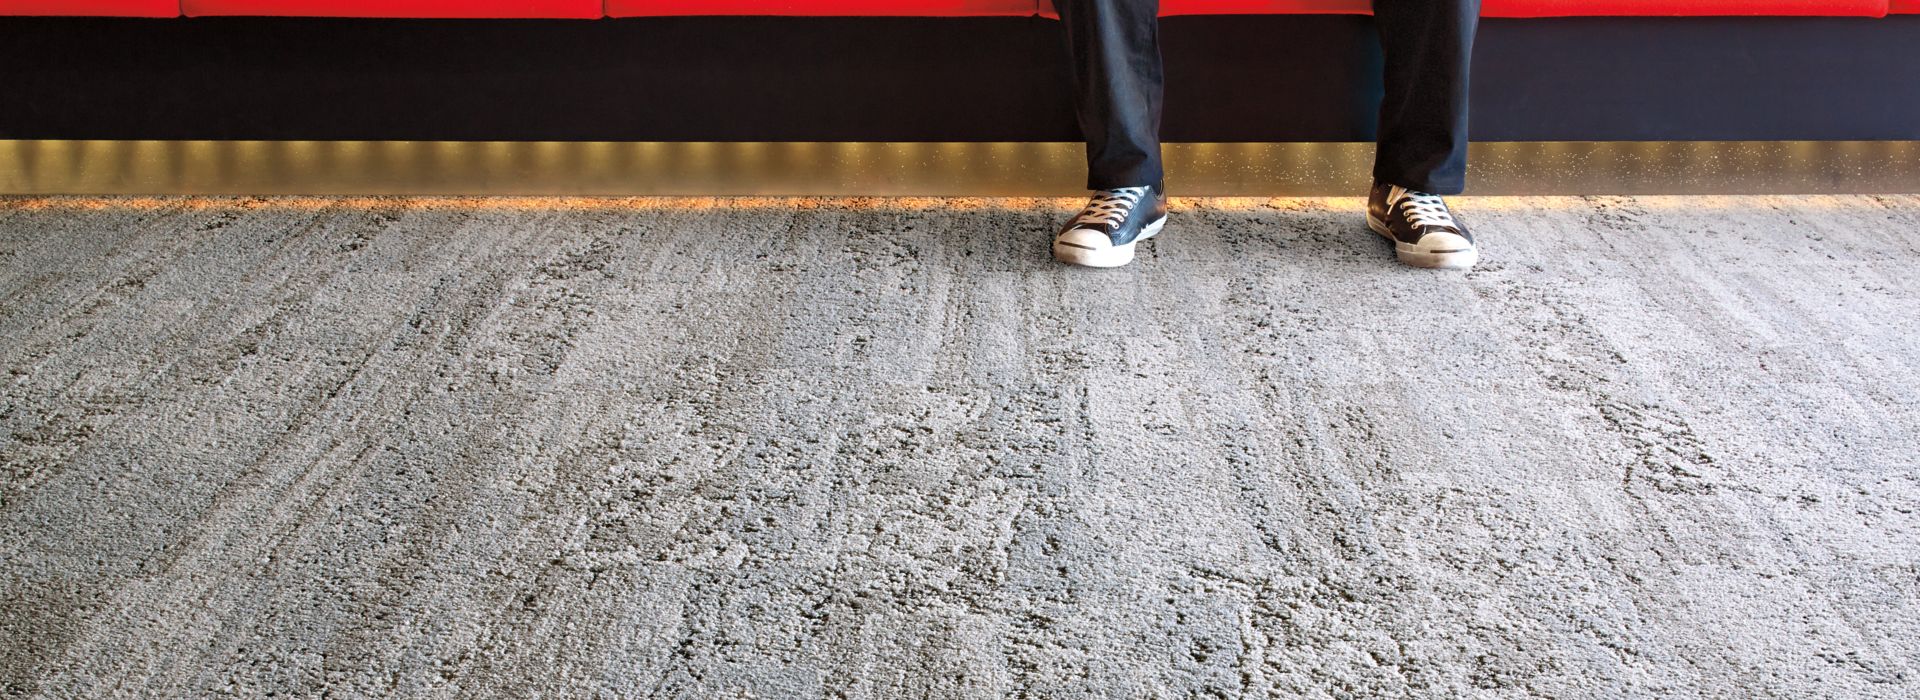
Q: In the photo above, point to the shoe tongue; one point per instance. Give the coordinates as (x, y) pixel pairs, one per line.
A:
(1428, 211)
(1115, 200)
(1404, 193)
(1109, 208)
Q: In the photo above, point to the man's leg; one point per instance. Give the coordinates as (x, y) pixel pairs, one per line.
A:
(1115, 49)
(1423, 130)
(1423, 120)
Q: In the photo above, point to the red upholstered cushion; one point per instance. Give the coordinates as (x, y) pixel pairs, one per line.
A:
(575, 9)
(1540, 8)
(863, 8)
(1656, 8)
(586, 9)
(92, 8)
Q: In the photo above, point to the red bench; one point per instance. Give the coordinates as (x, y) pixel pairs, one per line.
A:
(590, 9)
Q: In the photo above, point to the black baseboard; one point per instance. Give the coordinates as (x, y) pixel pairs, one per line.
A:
(1253, 79)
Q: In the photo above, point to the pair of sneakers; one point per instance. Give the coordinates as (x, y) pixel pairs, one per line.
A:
(1424, 232)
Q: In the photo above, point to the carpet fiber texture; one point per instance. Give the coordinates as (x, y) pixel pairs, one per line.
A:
(831, 448)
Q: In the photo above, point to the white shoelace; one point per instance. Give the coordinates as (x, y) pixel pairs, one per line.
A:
(1426, 209)
(1110, 207)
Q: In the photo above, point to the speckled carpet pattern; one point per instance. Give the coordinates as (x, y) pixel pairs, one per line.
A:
(875, 449)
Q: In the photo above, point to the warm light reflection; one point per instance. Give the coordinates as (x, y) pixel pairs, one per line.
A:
(1488, 204)
(915, 169)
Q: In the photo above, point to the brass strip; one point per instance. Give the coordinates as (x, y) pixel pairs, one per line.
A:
(921, 169)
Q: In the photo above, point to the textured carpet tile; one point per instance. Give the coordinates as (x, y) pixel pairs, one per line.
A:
(817, 448)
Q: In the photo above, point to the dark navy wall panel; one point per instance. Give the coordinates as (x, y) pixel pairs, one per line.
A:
(1232, 78)
(1723, 78)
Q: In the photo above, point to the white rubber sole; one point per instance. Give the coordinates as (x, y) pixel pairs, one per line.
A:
(1414, 256)
(1111, 256)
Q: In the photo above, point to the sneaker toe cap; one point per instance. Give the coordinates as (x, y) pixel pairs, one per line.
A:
(1083, 238)
(1443, 242)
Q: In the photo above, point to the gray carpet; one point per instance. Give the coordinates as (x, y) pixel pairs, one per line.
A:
(1652, 448)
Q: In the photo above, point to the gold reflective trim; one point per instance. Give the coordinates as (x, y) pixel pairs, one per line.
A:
(919, 169)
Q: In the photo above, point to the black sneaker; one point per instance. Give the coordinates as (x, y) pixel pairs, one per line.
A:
(1423, 231)
(1105, 231)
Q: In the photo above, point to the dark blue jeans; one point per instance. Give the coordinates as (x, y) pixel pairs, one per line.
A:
(1115, 45)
